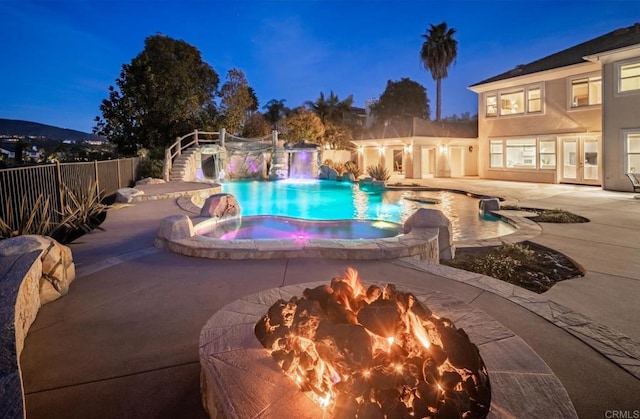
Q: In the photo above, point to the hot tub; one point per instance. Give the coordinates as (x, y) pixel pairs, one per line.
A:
(260, 227)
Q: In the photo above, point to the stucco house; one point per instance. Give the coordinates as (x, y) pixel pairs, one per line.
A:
(570, 117)
(422, 149)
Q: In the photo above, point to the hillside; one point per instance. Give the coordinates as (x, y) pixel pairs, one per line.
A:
(9, 127)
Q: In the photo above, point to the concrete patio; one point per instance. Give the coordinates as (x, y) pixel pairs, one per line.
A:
(124, 341)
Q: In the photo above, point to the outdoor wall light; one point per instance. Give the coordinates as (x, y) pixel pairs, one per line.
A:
(470, 149)
(407, 149)
(443, 148)
(361, 150)
(381, 150)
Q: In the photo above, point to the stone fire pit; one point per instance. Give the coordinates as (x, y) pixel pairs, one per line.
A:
(241, 380)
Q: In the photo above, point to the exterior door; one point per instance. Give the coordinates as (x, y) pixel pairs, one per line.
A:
(580, 160)
(428, 162)
(456, 161)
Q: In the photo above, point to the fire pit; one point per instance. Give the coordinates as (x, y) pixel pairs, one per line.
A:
(375, 352)
(240, 379)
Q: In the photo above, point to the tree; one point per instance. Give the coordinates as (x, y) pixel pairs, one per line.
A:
(439, 50)
(255, 126)
(255, 104)
(332, 109)
(236, 100)
(401, 100)
(276, 110)
(303, 124)
(337, 136)
(165, 92)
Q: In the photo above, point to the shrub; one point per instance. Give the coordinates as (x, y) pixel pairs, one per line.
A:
(339, 167)
(352, 167)
(558, 216)
(378, 172)
(82, 211)
(151, 168)
(33, 219)
(501, 262)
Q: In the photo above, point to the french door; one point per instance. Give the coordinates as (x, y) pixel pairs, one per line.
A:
(580, 160)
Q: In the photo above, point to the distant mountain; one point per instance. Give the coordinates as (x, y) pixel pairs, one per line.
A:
(34, 129)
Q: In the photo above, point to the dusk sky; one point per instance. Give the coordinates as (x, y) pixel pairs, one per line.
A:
(60, 57)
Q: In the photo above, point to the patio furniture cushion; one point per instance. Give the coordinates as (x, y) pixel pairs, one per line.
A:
(635, 181)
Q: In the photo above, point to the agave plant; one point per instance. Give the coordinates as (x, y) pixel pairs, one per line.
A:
(339, 167)
(33, 219)
(352, 167)
(378, 172)
(80, 214)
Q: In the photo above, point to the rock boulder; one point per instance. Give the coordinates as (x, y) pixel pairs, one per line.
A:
(58, 269)
(221, 206)
(432, 218)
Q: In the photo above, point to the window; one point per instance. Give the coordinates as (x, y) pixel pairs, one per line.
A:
(586, 92)
(528, 99)
(512, 103)
(521, 153)
(492, 105)
(496, 153)
(547, 154)
(629, 77)
(535, 100)
(633, 152)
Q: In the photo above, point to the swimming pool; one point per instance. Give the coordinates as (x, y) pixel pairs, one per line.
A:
(331, 200)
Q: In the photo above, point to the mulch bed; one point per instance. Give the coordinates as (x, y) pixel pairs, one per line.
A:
(548, 267)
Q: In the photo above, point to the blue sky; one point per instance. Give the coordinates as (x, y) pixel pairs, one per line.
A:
(60, 57)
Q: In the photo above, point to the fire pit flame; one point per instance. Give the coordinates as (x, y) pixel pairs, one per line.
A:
(375, 352)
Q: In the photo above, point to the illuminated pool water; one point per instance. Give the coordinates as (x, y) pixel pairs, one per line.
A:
(278, 227)
(331, 200)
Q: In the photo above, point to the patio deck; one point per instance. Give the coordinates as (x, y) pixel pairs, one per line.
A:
(124, 341)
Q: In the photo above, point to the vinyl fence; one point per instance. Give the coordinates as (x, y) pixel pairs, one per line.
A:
(21, 187)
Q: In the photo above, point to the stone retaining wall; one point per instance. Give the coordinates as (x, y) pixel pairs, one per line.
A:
(34, 270)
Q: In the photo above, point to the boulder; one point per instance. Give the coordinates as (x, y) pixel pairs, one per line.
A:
(488, 205)
(348, 177)
(432, 218)
(175, 227)
(326, 172)
(58, 269)
(126, 195)
(221, 206)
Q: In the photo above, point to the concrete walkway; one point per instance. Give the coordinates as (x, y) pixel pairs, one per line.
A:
(123, 342)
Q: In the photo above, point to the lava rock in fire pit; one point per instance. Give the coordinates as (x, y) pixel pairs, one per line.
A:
(381, 317)
(375, 353)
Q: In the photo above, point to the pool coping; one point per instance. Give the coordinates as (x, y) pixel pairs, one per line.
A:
(178, 234)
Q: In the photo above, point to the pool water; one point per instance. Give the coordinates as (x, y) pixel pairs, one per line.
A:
(277, 227)
(331, 200)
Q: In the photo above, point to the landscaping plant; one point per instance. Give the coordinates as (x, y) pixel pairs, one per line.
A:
(33, 219)
(80, 214)
(378, 172)
(352, 167)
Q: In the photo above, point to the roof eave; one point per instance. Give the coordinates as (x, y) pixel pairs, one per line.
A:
(551, 74)
(623, 53)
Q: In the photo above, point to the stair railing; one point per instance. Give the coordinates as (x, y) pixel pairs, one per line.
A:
(186, 141)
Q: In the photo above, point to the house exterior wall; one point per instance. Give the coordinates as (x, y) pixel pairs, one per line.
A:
(557, 118)
(464, 151)
(621, 114)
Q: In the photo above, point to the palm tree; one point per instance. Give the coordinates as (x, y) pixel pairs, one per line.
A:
(439, 50)
(275, 112)
(331, 109)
